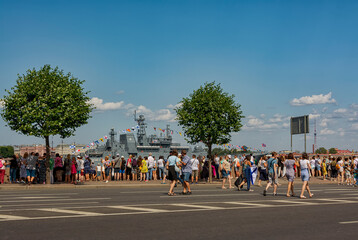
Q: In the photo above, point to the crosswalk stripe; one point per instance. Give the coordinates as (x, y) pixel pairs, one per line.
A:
(296, 202)
(249, 204)
(196, 206)
(11, 217)
(137, 208)
(351, 222)
(337, 200)
(70, 211)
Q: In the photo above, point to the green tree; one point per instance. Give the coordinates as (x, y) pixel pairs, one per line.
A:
(46, 102)
(321, 150)
(209, 115)
(6, 151)
(332, 151)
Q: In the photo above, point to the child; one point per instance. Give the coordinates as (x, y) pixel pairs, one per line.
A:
(99, 171)
(73, 170)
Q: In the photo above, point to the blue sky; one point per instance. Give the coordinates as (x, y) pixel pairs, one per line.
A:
(147, 55)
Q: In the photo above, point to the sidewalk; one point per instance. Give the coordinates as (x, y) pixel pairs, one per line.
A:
(124, 184)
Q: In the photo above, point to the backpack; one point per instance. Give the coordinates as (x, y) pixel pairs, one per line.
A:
(338, 167)
(238, 164)
(1, 165)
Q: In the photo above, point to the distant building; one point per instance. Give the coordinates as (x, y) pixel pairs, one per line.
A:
(341, 152)
(38, 148)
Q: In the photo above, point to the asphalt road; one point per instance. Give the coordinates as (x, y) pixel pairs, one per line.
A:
(148, 213)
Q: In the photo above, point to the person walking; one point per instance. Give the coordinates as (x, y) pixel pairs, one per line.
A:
(305, 166)
(263, 170)
(186, 170)
(173, 161)
(290, 164)
(272, 174)
(247, 174)
(225, 171)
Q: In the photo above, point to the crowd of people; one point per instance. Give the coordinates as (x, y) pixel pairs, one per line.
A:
(181, 168)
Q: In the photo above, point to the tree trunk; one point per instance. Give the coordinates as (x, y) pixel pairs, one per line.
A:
(48, 153)
(210, 168)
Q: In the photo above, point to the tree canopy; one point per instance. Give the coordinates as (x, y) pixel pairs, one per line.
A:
(209, 115)
(46, 102)
(6, 151)
(332, 151)
(321, 150)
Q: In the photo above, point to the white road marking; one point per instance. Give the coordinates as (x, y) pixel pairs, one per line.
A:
(196, 206)
(57, 210)
(40, 204)
(296, 202)
(42, 197)
(142, 209)
(39, 194)
(351, 222)
(56, 200)
(249, 204)
(336, 200)
(204, 195)
(155, 211)
(11, 217)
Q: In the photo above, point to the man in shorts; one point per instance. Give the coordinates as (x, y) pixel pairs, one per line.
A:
(186, 170)
(272, 170)
(195, 169)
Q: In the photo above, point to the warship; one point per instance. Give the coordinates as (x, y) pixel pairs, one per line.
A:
(128, 144)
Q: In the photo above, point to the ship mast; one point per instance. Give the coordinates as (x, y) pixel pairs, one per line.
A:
(141, 133)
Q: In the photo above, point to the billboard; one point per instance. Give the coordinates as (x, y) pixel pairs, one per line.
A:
(300, 125)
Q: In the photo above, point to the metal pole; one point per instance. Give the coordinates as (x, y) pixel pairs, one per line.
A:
(291, 142)
(304, 122)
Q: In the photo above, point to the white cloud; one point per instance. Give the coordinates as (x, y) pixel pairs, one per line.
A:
(314, 99)
(324, 122)
(285, 125)
(314, 116)
(120, 92)
(269, 126)
(327, 131)
(160, 115)
(277, 118)
(262, 115)
(255, 122)
(101, 106)
(354, 105)
(354, 126)
(340, 110)
(171, 106)
(259, 124)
